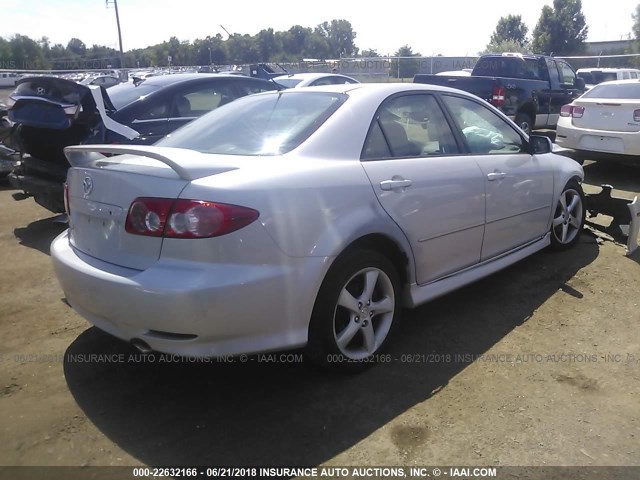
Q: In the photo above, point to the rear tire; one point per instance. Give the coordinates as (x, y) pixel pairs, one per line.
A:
(568, 217)
(525, 122)
(356, 310)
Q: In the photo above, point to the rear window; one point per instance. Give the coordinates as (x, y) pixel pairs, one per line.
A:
(510, 67)
(615, 90)
(264, 124)
(50, 88)
(126, 93)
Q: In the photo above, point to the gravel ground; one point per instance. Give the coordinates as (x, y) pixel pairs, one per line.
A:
(536, 365)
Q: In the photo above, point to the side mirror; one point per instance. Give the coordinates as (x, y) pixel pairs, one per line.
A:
(580, 84)
(539, 145)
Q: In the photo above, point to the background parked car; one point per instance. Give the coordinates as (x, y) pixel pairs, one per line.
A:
(604, 123)
(530, 89)
(313, 79)
(52, 113)
(105, 81)
(594, 76)
(307, 218)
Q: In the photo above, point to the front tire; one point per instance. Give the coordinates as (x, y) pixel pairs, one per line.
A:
(568, 217)
(356, 310)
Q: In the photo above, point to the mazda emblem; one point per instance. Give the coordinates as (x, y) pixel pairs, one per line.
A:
(87, 185)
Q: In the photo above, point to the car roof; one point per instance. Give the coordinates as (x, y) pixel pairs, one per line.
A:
(607, 69)
(171, 78)
(310, 76)
(379, 90)
(618, 82)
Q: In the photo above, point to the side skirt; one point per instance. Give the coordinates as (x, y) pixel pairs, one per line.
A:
(418, 294)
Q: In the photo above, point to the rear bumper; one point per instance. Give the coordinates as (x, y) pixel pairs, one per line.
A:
(47, 193)
(190, 308)
(591, 144)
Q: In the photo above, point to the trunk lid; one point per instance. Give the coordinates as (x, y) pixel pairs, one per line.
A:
(101, 189)
(608, 114)
(52, 113)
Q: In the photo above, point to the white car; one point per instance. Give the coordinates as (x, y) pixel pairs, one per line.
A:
(299, 80)
(594, 76)
(604, 123)
(307, 218)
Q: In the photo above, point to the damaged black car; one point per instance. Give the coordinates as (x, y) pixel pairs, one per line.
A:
(47, 114)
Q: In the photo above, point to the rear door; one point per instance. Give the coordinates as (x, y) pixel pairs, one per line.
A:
(518, 186)
(192, 101)
(148, 116)
(432, 192)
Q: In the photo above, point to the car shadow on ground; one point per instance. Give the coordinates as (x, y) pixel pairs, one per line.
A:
(290, 413)
(39, 234)
(5, 185)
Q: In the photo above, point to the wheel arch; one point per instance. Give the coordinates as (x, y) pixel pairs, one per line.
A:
(387, 247)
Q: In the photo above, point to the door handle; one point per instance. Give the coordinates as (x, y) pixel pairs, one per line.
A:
(388, 185)
(496, 176)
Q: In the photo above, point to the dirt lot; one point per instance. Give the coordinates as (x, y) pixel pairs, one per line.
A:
(536, 365)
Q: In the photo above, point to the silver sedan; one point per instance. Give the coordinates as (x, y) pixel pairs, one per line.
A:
(307, 218)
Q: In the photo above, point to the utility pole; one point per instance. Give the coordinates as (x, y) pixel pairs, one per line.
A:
(115, 4)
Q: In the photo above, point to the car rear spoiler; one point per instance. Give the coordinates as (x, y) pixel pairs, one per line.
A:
(188, 164)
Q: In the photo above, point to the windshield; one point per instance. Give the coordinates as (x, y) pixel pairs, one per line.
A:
(125, 93)
(615, 90)
(264, 124)
(288, 82)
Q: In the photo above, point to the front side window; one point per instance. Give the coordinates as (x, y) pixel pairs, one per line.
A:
(567, 75)
(196, 101)
(409, 126)
(264, 124)
(484, 131)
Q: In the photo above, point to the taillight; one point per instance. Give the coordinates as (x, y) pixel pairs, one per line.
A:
(636, 115)
(571, 111)
(498, 96)
(163, 217)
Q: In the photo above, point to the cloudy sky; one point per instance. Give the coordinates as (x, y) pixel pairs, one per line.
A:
(448, 27)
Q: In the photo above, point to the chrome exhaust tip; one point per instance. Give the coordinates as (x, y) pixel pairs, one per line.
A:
(141, 345)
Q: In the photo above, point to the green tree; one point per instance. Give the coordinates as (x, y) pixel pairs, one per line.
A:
(77, 47)
(26, 53)
(510, 29)
(340, 36)
(405, 67)
(561, 30)
(506, 46)
(369, 53)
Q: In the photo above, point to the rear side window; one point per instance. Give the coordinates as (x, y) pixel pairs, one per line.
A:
(126, 93)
